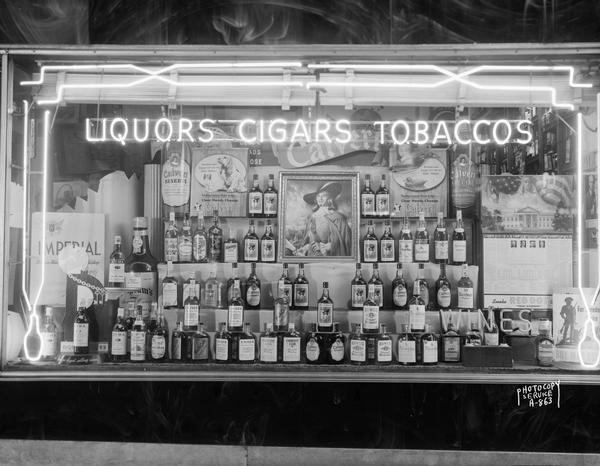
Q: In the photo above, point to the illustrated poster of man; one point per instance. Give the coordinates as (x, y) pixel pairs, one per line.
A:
(567, 314)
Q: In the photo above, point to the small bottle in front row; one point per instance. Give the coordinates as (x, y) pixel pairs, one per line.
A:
(247, 345)
(223, 344)
(200, 343)
(313, 345)
(291, 346)
(429, 347)
(407, 346)
(159, 339)
(384, 346)
(268, 345)
(544, 344)
(358, 346)
(118, 347)
(138, 338)
(336, 346)
(178, 343)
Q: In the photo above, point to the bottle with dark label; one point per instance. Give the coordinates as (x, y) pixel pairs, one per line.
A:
(459, 241)
(118, 347)
(169, 288)
(251, 244)
(253, 291)
(336, 345)
(325, 310)
(358, 289)
(443, 290)
(171, 235)
(416, 307)
(137, 352)
(200, 342)
(268, 245)
(384, 346)
(382, 199)
(223, 344)
(159, 340)
(300, 290)
(451, 343)
(231, 248)
(387, 244)
(370, 323)
(235, 311)
(191, 312)
(178, 343)
(544, 344)
(367, 199)
(49, 336)
(81, 331)
(399, 290)
(215, 240)
(247, 346)
(358, 346)
(270, 198)
(281, 313)
(421, 240)
(375, 286)
(465, 290)
(370, 244)
(405, 244)
(268, 345)
(440, 240)
(473, 336)
(284, 285)
(407, 349)
(255, 199)
(116, 266)
(429, 347)
(291, 346)
(184, 241)
(200, 238)
(491, 334)
(313, 345)
(175, 177)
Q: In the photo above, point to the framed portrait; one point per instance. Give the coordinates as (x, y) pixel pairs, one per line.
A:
(318, 217)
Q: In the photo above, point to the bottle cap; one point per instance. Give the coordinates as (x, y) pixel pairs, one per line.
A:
(140, 222)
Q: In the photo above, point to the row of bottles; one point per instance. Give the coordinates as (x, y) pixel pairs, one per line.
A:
(375, 204)
(262, 203)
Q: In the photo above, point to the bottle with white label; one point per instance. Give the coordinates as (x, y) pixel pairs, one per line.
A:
(116, 266)
(270, 198)
(223, 344)
(268, 345)
(190, 288)
(255, 199)
(159, 339)
(387, 244)
(399, 290)
(284, 285)
(137, 353)
(169, 288)
(251, 244)
(383, 353)
(375, 286)
(407, 347)
(382, 199)
(429, 347)
(235, 311)
(118, 347)
(184, 241)
(421, 240)
(370, 244)
(175, 177)
(325, 311)
(253, 289)
(231, 248)
(200, 343)
(443, 290)
(370, 323)
(440, 240)
(367, 199)
(171, 240)
(300, 290)
(81, 331)
(336, 345)
(49, 336)
(268, 245)
(291, 346)
(358, 346)
(358, 289)
(416, 307)
(465, 290)
(491, 334)
(191, 312)
(405, 244)
(313, 345)
(200, 238)
(247, 346)
(451, 346)
(459, 241)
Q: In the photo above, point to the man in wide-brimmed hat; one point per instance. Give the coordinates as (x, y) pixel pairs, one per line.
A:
(567, 313)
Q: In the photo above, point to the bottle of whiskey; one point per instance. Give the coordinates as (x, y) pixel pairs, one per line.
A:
(215, 240)
(291, 346)
(336, 345)
(443, 290)
(423, 284)
(171, 235)
(407, 350)
(284, 285)
(375, 286)
(367, 199)
(491, 334)
(384, 346)
(184, 242)
(175, 177)
(465, 290)
(382, 199)
(440, 240)
(223, 344)
(247, 346)
(429, 347)
(325, 311)
(116, 266)
(300, 290)
(358, 346)
(235, 311)
(159, 340)
(231, 282)
(118, 347)
(129, 321)
(251, 244)
(370, 323)
(358, 289)
(255, 199)
(473, 336)
(213, 298)
(268, 245)
(231, 249)
(81, 331)
(253, 292)
(151, 324)
(405, 244)
(421, 240)
(200, 238)
(270, 198)
(200, 342)
(459, 241)
(190, 288)
(450, 344)
(169, 288)
(49, 336)
(313, 345)
(544, 344)
(178, 343)
(268, 345)
(370, 244)
(416, 308)
(191, 311)
(281, 313)
(387, 244)
(399, 290)
(137, 352)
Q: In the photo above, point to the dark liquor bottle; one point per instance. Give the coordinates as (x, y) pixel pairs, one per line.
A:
(284, 285)
(231, 248)
(384, 346)
(191, 311)
(465, 290)
(405, 244)
(544, 344)
(440, 240)
(247, 346)
(116, 266)
(325, 310)
(421, 240)
(268, 345)
(270, 198)
(300, 290)
(255, 199)
(399, 290)
(382, 199)
(137, 352)
(491, 334)
(358, 346)
(118, 347)
(251, 244)
(223, 344)
(200, 342)
(49, 336)
(443, 290)
(184, 241)
(268, 245)
(367, 199)
(129, 321)
(291, 346)
(235, 311)
(459, 241)
(375, 286)
(169, 288)
(358, 289)
(231, 282)
(152, 322)
(281, 314)
(370, 244)
(451, 344)
(313, 345)
(416, 307)
(178, 343)
(190, 288)
(336, 346)
(215, 240)
(171, 235)
(429, 347)
(159, 340)
(370, 323)
(387, 244)
(200, 239)
(81, 331)
(407, 347)
(253, 292)
(473, 336)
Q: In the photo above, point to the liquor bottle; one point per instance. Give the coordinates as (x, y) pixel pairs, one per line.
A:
(370, 323)
(440, 240)
(291, 346)
(118, 347)
(465, 290)
(270, 198)
(49, 336)
(384, 346)
(231, 282)
(443, 290)
(191, 311)
(429, 347)
(247, 346)
(450, 344)
(268, 245)
(268, 345)
(153, 320)
(213, 298)
(116, 266)
(399, 290)
(423, 285)
(190, 288)
(382, 199)
(300, 290)
(251, 244)
(223, 344)
(325, 311)
(416, 308)
(140, 266)
(137, 352)
(407, 349)
(159, 340)
(358, 346)
(129, 321)
(459, 241)
(171, 235)
(491, 334)
(387, 244)
(375, 286)
(81, 331)
(367, 199)
(235, 311)
(200, 342)
(473, 336)
(284, 285)
(215, 240)
(255, 199)
(200, 238)
(184, 241)
(405, 244)
(544, 344)
(169, 288)
(370, 244)
(231, 248)
(336, 345)
(175, 177)
(281, 313)
(178, 343)
(253, 292)
(421, 240)
(313, 345)
(358, 289)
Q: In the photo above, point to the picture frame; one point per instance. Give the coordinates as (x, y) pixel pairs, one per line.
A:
(318, 217)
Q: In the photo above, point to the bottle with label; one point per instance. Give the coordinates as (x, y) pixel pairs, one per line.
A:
(440, 240)
(383, 353)
(200, 343)
(171, 235)
(215, 240)
(291, 346)
(300, 290)
(231, 282)
(191, 312)
(116, 266)
(465, 290)
(399, 290)
(407, 348)
(443, 290)
(268, 345)
(423, 285)
(473, 336)
(153, 321)
(491, 334)
(421, 240)
(129, 321)
(313, 345)
(255, 199)
(451, 343)
(253, 292)
(137, 353)
(268, 245)
(231, 248)
(405, 244)
(416, 307)
(367, 199)
(118, 347)
(325, 311)
(382, 199)
(213, 298)
(370, 323)
(459, 241)
(284, 285)
(336, 345)
(387, 244)
(429, 347)
(370, 244)
(251, 244)
(159, 340)
(81, 331)
(544, 344)
(190, 288)
(175, 177)
(178, 343)
(169, 288)
(223, 344)
(247, 346)
(358, 289)
(200, 238)
(184, 242)
(281, 313)
(49, 336)
(358, 346)
(375, 287)
(235, 311)
(270, 198)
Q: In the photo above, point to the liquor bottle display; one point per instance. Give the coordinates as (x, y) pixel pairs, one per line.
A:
(358, 346)
(178, 343)
(421, 240)
(465, 290)
(375, 286)
(451, 343)
(270, 198)
(49, 336)
(175, 177)
(171, 236)
(416, 307)
(169, 288)
(336, 345)
(200, 238)
(313, 345)
(429, 347)
(213, 298)
(199, 345)
(223, 344)
(137, 353)
(235, 311)
(407, 346)
(443, 290)
(367, 199)
(370, 321)
(291, 346)
(253, 290)
(268, 345)
(284, 285)
(81, 331)
(191, 311)
(116, 266)
(184, 241)
(246, 346)
(387, 244)
(159, 340)
(255, 199)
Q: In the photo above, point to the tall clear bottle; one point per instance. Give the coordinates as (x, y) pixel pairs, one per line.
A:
(284, 285)
(184, 241)
(421, 240)
(370, 323)
(443, 290)
(191, 312)
(175, 178)
(159, 340)
(416, 308)
(231, 248)
(169, 288)
(213, 298)
(200, 238)
(137, 352)
(235, 311)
